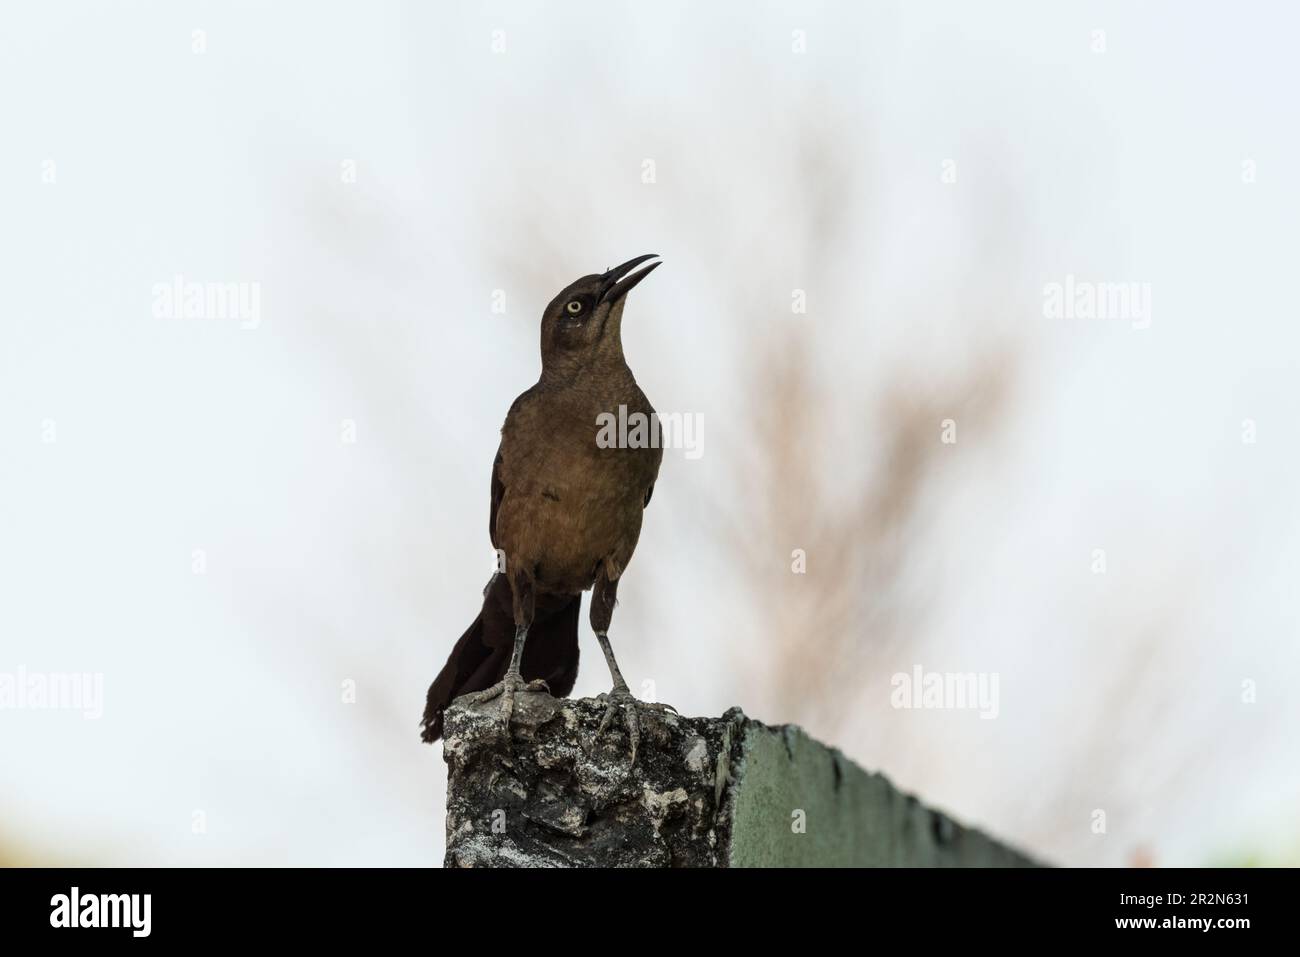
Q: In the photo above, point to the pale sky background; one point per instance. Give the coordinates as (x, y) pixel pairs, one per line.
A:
(521, 170)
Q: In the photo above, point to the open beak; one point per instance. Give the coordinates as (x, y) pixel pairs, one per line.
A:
(616, 283)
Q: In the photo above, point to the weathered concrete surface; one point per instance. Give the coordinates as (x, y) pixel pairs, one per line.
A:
(546, 797)
(705, 792)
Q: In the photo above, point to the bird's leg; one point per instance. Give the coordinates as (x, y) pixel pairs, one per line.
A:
(514, 682)
(620, 696)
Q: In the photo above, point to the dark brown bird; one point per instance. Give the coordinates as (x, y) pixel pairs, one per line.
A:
(565, 514)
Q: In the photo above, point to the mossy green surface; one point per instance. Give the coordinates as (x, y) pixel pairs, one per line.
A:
(798, 803)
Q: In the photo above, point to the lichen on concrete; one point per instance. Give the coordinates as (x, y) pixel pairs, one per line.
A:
(550, 794)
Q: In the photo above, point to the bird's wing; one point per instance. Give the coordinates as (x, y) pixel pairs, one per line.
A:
(498, 490)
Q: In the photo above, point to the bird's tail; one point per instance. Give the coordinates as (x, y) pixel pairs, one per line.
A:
(482, 655)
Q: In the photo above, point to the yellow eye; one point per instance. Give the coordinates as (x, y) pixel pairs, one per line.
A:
(574, 307)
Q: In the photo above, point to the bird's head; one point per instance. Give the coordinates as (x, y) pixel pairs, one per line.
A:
(585, 319)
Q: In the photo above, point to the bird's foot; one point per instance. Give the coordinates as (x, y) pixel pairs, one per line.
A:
(620, 698)
(506, 689)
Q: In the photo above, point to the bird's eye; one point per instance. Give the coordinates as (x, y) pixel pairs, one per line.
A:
(574, 307)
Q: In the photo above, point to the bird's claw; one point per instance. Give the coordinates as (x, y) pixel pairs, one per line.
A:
(506, 689)
(623, 699)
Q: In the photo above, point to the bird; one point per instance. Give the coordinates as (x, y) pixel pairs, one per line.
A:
(565, 515)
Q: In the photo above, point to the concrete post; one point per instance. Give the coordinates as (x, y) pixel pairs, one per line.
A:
(705, 792)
